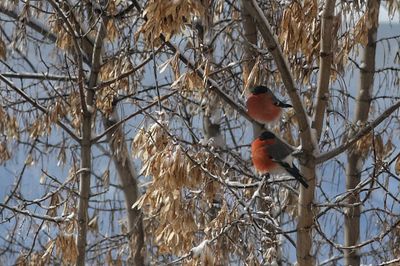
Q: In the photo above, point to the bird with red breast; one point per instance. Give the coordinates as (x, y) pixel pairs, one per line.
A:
(272, 155)
(263, 106)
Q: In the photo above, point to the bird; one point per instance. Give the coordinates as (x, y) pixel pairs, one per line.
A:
(272, 155)
(263, 106)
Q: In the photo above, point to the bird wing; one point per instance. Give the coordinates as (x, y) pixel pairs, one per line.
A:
(281, 153)
(279, 150)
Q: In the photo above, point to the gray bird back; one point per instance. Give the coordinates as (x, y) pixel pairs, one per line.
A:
(279, 150)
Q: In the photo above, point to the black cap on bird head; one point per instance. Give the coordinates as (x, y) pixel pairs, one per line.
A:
(267, 135)
(259, 89)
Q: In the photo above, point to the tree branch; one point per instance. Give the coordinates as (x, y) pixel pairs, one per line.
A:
(31, 22)
(305, 212)
(200, 72)
(86, 147)
(129, 185)
(335, 152)
(77, 49)
(57, 219)
(43, 30)
(282, 64)
(114, 126)
(38, 106)
(130, 72)
(39, 76)
(324, 66)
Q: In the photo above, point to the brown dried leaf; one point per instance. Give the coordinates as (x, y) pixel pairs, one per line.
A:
(379, 149)
(21, 261)
(4, 153)
(168, 18)
(3, 50)
(93, 224)
(361, 31)
(12, 128)
(254, 77)
(105, 178)
(112, 30)
(363, 145)
(62, 156)
(54, 202)
(29, 161)
(139, 203)
(66, 248)
(397, 166)
(388, 148)
(50, 246)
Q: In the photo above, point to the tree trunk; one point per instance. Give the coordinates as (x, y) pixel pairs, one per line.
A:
(325, 64)
(87, 102)
(354, 167)
(127, 178)
(84, 187)
(249, 58)
(211, 127)
(250, 33)
(306, 218)
(305, 215)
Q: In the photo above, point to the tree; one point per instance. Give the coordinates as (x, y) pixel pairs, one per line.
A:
(81, 81)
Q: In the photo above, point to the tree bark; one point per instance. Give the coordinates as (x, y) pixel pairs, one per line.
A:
(282, 64)
(211, 128)
(305, 215)
(306, 218)
(84, 188)
(354, 167)
(249, 58)
(128, 181)
(86, 143)
(324, 65)
(250, 33)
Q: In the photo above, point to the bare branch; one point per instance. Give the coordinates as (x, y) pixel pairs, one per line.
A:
(37, 105)
(39, 76)
(77, 49)
(335, 152)
(282, 64)
(390, 262)
(114, 126)
(211, 82)
(130, 72)
(31, 22)
(42, 29)
(58, 219)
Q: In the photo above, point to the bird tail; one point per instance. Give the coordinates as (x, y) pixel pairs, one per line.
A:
(293, 171)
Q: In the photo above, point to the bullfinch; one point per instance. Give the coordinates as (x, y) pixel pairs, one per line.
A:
(263, 106)
(272, 155)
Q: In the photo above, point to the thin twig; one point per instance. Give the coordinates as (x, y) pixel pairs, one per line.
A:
(38, 106)
(335, 152)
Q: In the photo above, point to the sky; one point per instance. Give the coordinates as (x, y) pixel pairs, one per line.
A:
(384, 16)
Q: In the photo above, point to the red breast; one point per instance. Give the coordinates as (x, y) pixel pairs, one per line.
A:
(261, 108)
(259, 155)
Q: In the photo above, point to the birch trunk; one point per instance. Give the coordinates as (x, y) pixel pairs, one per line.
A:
(84, 188)
(306, 198)
(249, 58)
(325, 64)
(128, 180)
(354, 167)
(86, 143)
